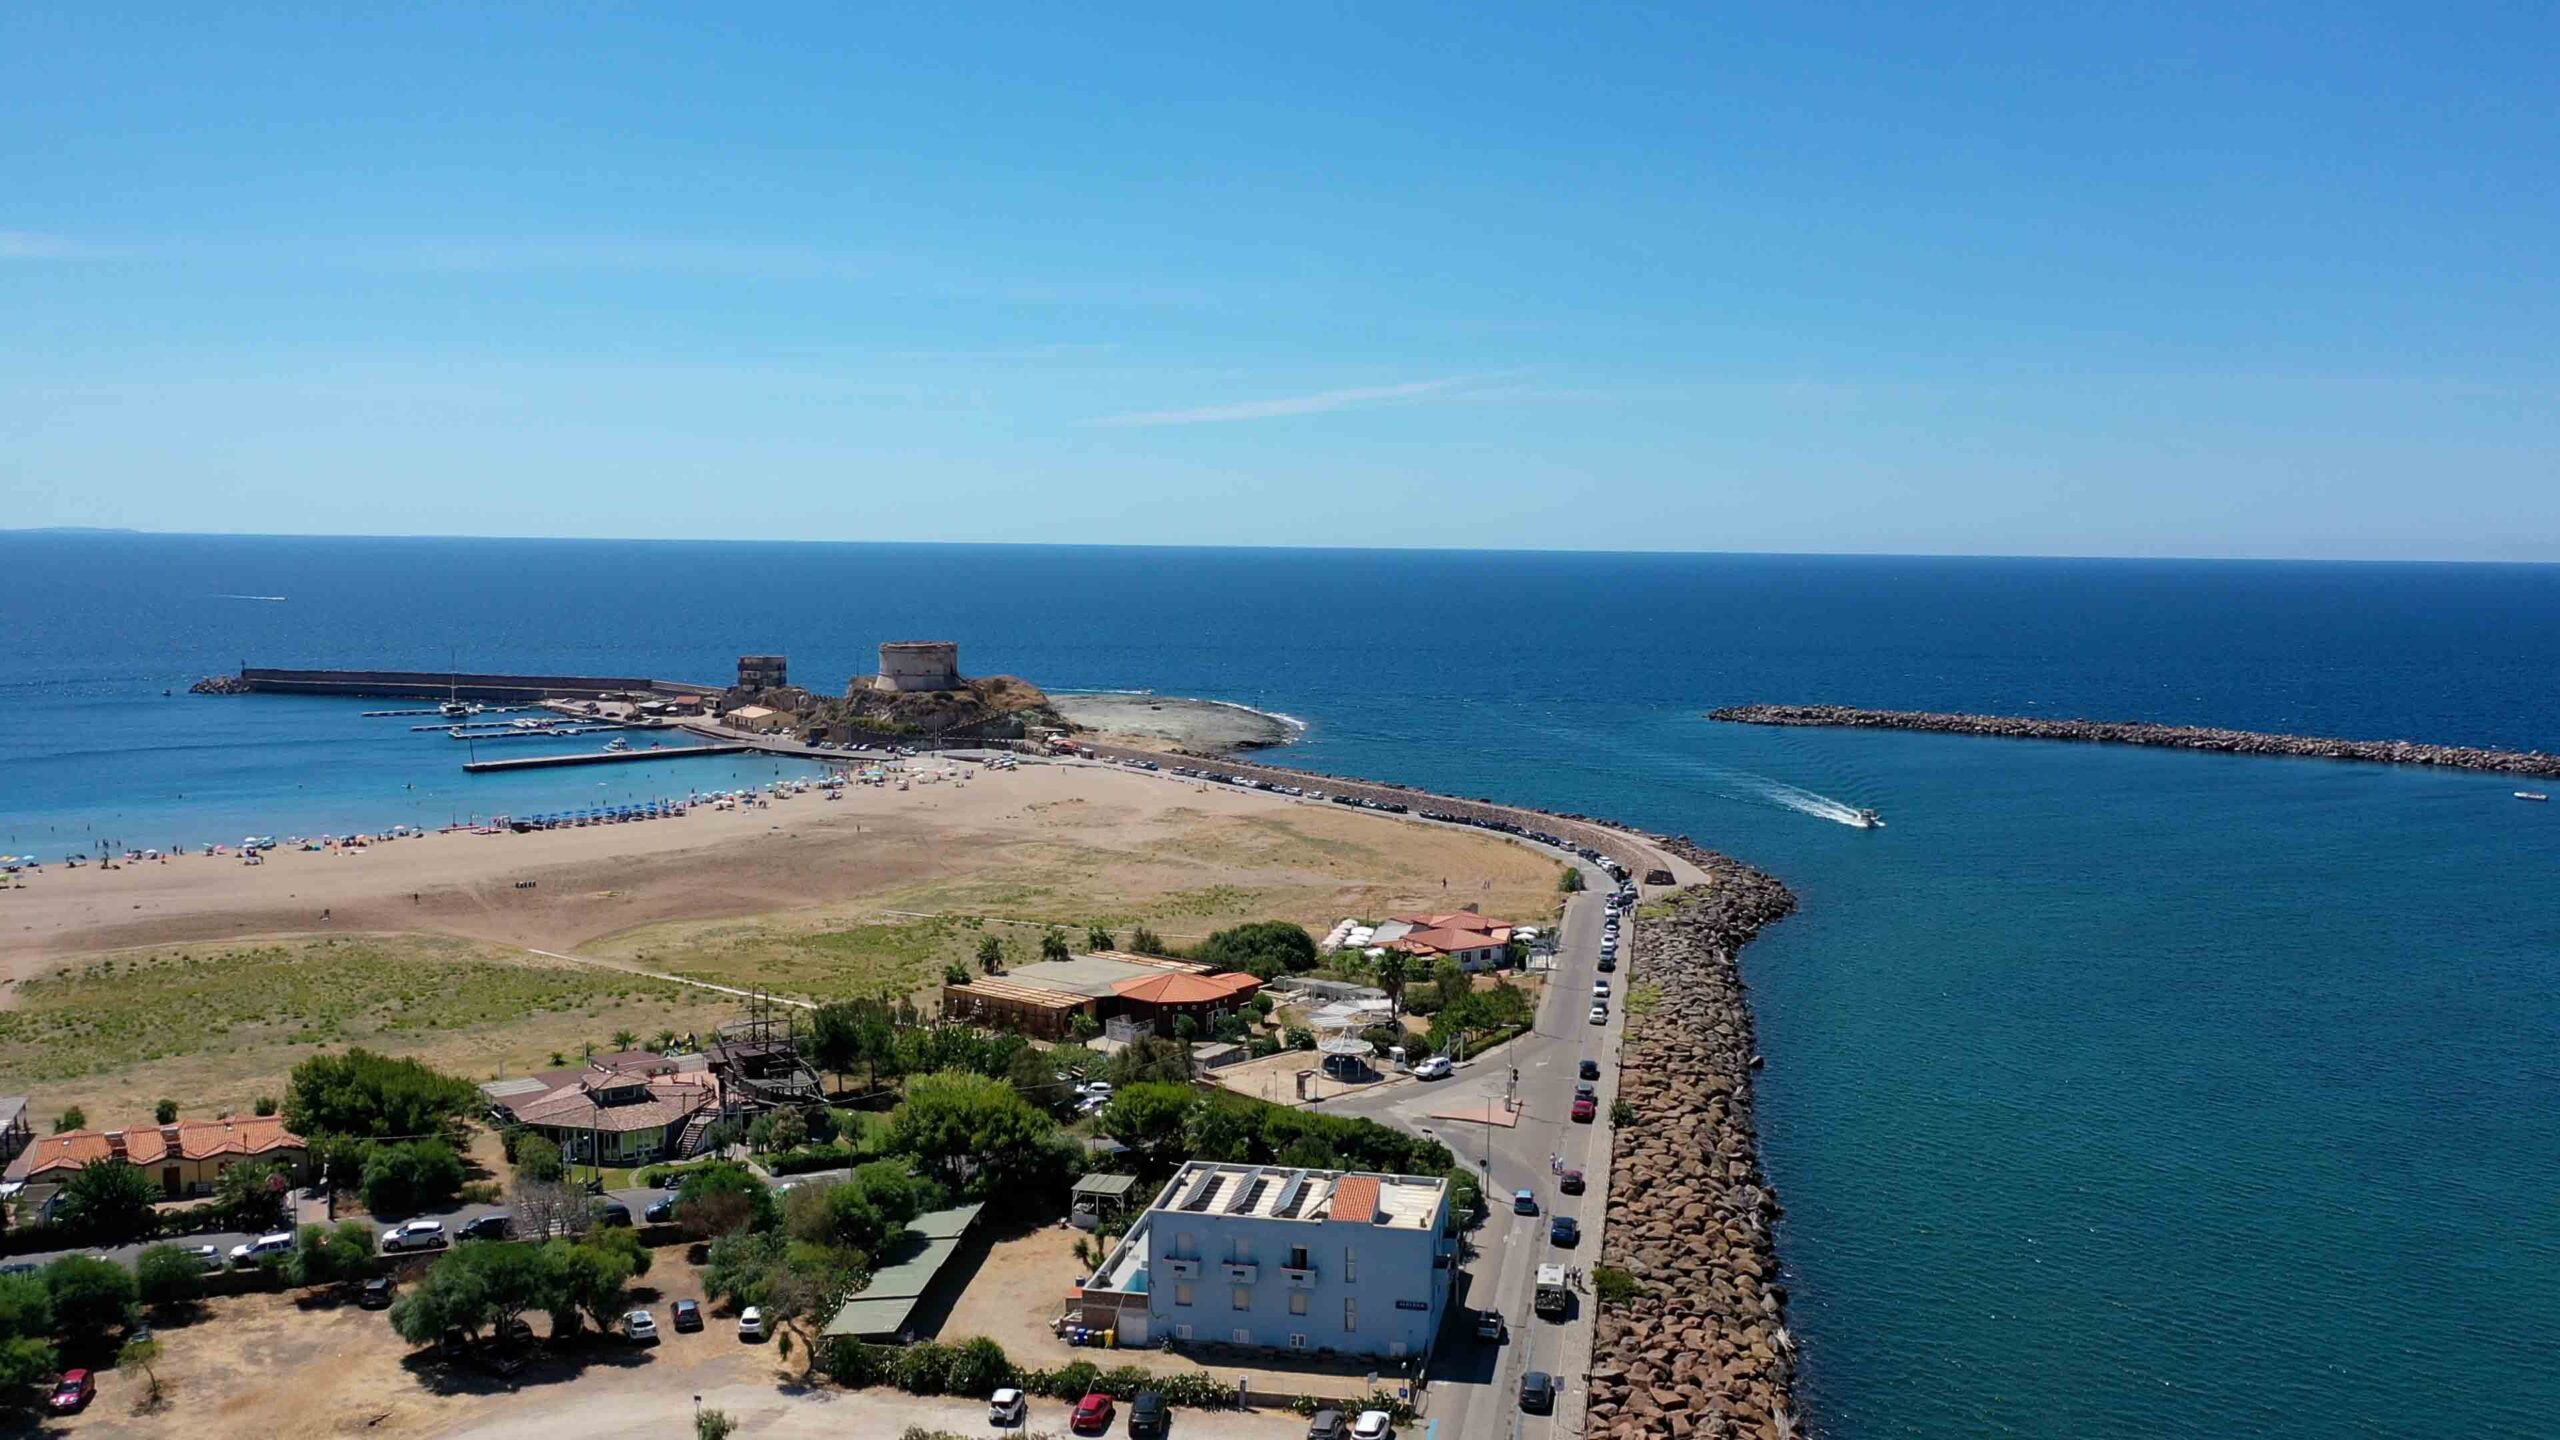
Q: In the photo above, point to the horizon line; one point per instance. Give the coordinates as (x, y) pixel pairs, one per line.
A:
(2164, 559)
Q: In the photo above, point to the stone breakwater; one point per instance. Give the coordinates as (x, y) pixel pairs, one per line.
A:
(1701, 1350)
(2135, 732)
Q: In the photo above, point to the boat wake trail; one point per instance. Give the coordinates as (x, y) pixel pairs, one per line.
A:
(269, 598)
(1796, 798)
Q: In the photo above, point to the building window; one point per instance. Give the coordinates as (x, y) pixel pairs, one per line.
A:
(1350, 1266)
(1241, 1298)
(1182, 1292)
(1243, 1246)
(1297, 1342)
(1297, 1257)
(1297, 1302)
(1242, 1337)
(1184, 1246)
(1350, 1315)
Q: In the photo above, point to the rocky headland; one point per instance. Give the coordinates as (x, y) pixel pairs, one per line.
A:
(2136, 732)
(1701, 1349)
(1175, 723)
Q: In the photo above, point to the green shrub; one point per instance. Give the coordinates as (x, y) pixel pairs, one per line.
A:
(922, 1369)
(1613, 1285)
(1073, 1380)
(978, 1368)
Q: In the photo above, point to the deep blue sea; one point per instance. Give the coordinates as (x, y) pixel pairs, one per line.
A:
(2112, 1093)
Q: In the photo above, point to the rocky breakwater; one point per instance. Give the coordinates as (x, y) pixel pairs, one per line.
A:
(2136, 732)
(1700, 1348)
(220, 685)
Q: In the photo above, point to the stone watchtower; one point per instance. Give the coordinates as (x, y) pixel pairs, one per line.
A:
(912, 665)
(759, 673)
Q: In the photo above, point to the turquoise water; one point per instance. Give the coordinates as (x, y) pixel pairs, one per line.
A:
(2112, 1093)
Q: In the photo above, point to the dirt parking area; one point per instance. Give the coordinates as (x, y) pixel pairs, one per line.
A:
(310, 1364)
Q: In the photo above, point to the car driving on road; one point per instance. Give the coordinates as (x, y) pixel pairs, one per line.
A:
(414, 1235)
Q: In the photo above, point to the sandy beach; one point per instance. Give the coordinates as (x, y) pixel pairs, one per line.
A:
(559, 888)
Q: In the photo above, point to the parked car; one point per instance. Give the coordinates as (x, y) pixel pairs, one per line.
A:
(1148, 1417)
(1489, 1326)
(1092, 1415)
(641, 1327)
(72, 1392)
(660, 1211)
(414, 1235)
(1433, 1067)
(1008, 1407)
(751, 1324)
(251, 1252)
(1608, 963)
(377, 1293)
(1563, 1231)
(1524, 1202)
(612, 1212)
(1570, 1182)
(688, 1314)
(1538, 1392)
(1326, 1425)
(1599, 1015)
(1599, 989)
(1373, 1425)
(206, 1256)
(1584, 1109)
(492, 1226)
(1590, 1068)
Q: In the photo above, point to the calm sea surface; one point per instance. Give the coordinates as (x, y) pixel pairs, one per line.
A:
(2112, 1093)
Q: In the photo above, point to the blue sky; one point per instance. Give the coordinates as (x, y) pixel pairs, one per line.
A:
(2058, 280)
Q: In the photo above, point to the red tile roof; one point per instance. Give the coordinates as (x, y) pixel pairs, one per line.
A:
(1355, 1198)
(150, 1145)
(1179, 989)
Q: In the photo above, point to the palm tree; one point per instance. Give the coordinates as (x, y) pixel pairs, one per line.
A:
(664, 1039)
(624, 1039)
(1393, 971)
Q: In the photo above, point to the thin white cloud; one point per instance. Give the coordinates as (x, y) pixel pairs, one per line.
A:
(1319, 403)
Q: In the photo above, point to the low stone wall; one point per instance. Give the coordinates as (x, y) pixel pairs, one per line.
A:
(1702, 1349)
(2135, 732)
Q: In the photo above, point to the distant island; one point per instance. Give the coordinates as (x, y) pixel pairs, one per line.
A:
(2136, 732)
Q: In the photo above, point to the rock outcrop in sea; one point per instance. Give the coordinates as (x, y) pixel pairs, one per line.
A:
(1701, 1350)
(220, 685)
(2137, 732)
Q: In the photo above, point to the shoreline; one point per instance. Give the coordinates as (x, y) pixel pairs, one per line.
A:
(1140, 717)
(1702, 1349)
(2141, 732)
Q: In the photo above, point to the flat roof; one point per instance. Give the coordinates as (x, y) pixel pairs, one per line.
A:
(1091, 976)
(883, 1306)
(1105, 1185)
(1276, 1192)
(1012, 992)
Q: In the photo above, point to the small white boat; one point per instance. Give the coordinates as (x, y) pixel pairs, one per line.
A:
(617, 745)
(1868, 820)
(2531, 795)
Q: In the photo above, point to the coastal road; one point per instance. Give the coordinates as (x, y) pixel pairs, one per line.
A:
(1476, 1385)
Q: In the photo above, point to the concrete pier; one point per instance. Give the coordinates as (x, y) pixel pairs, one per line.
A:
(602, 757)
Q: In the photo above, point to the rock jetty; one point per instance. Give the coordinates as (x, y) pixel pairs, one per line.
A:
(220, 685)
(2135, 732)
(1701, 1350)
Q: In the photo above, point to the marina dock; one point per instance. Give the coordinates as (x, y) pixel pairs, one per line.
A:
(603, 757)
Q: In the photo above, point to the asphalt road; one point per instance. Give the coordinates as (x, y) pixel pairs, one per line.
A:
(1476, 1385)
(453, 1216)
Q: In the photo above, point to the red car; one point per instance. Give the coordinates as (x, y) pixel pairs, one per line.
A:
(74, 1392)
(1584, 1108)
(1093, 1414)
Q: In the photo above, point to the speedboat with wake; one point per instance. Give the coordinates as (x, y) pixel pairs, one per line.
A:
(2531, 795)
(1868, 820)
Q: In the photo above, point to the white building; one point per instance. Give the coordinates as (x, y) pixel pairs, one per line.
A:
(1270, 1258)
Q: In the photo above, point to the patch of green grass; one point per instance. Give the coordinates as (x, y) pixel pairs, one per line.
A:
(118, 1010)
(1642, 999)
(886, 959)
